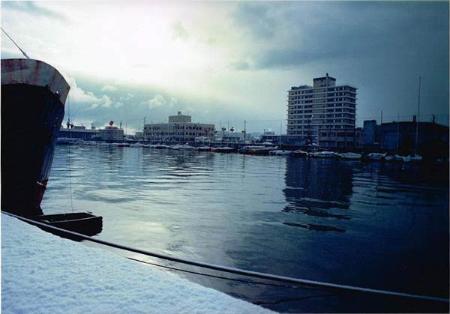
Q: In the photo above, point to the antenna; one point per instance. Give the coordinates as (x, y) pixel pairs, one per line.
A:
(23, 52)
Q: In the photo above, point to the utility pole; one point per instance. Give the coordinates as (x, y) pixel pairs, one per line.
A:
(245, 130)
(418, 116)
(281, 130)
(398, 131)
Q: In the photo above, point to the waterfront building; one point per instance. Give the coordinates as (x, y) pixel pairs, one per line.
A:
(111, 133)
(270, 136)
(358, 137)
(369, 132)
(229, 137)
(139, 136)
(179, 129)
(322, 114)
(408, 137)
(78, 132)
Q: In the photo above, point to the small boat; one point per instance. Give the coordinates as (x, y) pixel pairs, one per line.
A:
(280, 152)
(376, 156)
(137, 145)
(256, 150)
(204, 149)
(402, 158)
(83, 222)
(299, 153)
(350, 155)
(90, 143)
(416, 158)
(160, 146)
(324, 154)
(182, 147)
(223, 149)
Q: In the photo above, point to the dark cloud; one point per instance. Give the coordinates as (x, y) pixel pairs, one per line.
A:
(31, 7)
(256, 18)
(324, 31)
(379, 47)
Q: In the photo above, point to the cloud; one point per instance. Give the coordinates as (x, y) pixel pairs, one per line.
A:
(179, 31)
(104, 102)
(31, 7)
(78, 95)
(160, 101)
(87, 99)
(256, 18)
(305, 33)
(109, 88)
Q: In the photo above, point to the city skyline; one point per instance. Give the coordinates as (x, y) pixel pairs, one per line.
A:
(223, 62)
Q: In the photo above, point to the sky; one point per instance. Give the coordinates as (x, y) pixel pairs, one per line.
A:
(226, 62)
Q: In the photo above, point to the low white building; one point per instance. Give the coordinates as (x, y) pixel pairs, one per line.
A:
(230, 137)
(111, 133)
(179, 129)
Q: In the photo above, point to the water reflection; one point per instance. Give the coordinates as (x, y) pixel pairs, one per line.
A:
(318, 192)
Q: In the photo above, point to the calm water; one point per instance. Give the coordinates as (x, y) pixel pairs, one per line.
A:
(373, 225)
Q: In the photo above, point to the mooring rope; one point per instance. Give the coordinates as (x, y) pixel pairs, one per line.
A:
(238, 271)
(15, 44)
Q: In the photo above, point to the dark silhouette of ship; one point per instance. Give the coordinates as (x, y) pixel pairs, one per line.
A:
(32, 109)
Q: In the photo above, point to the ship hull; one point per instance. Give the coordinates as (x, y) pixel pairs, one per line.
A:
(32, 111)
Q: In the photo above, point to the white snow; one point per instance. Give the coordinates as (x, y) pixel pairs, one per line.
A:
(43, 273)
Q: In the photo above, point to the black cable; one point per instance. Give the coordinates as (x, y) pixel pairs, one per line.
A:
(248, 273)
(214, 276)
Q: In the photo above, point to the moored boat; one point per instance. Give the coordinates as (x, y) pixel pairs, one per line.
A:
(160, 146)
(223, 149)
(324, 154)
(256, 150)
(280, 152)
(376, 156)
(33, 99)
(350, 156)
(299, 153)
(182, 147)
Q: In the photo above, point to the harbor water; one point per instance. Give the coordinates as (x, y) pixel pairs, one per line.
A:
(376, 225)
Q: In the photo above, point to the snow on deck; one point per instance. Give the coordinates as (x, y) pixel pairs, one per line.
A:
(43, 273)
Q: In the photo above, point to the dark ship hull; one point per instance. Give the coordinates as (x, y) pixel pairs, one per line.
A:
(33, 98)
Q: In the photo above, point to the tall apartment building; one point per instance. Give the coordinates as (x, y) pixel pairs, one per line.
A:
(323, 114)
(179, 129)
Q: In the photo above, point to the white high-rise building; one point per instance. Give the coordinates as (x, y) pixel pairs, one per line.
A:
(323, 114)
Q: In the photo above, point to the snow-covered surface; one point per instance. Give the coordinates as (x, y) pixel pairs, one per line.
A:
(43, 273)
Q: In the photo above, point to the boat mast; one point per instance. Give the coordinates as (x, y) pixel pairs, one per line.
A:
(418, 115)
(398, 131)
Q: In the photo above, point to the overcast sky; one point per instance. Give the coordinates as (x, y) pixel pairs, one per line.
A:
(234, 61)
